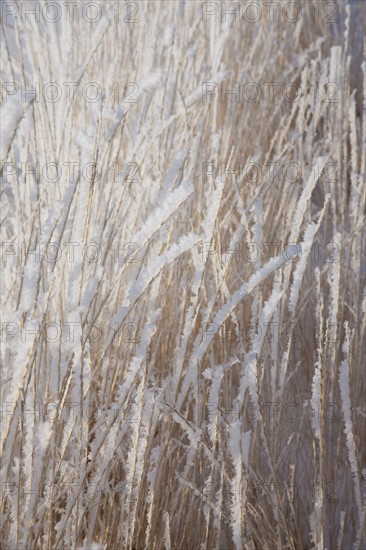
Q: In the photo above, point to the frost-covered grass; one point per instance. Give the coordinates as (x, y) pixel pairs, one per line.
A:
(190, 372)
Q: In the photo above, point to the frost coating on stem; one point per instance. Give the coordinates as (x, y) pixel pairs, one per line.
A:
(344, 386)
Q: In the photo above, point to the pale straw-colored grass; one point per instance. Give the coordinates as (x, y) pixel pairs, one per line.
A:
(172, 393)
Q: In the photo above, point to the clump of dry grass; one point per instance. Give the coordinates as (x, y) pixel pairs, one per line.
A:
(188, 370)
